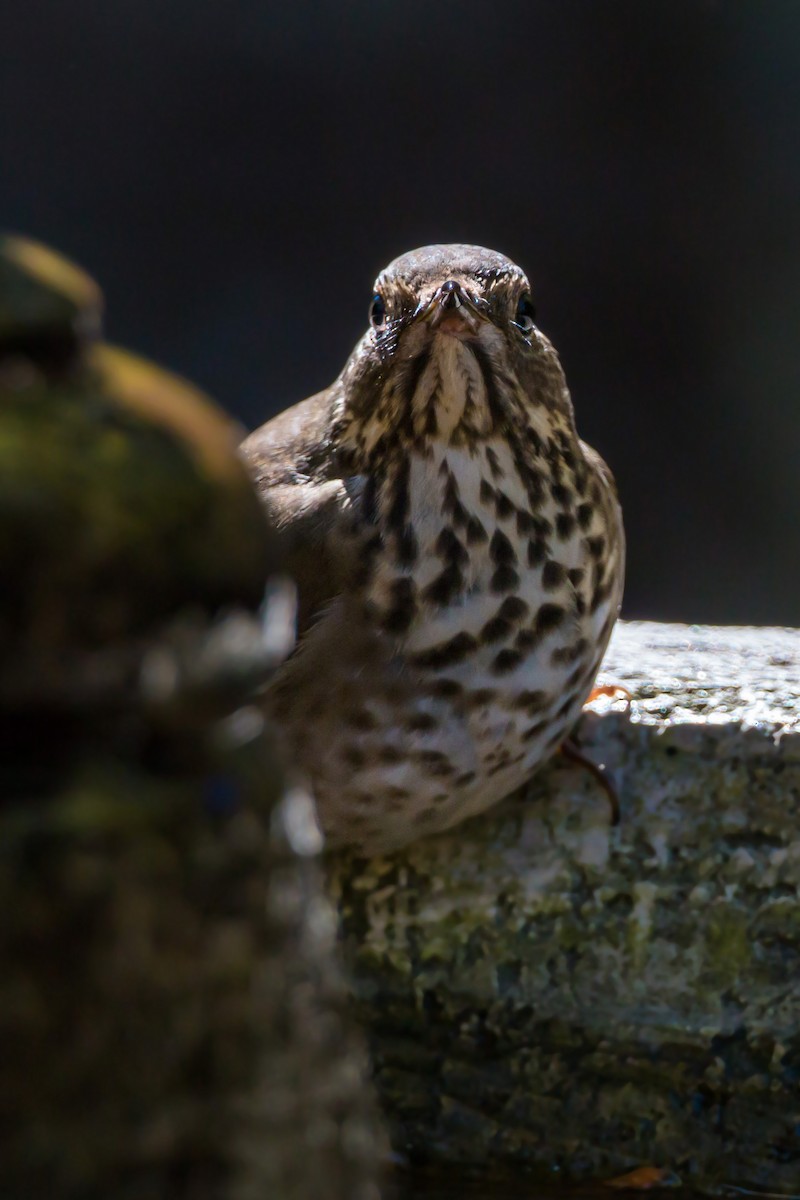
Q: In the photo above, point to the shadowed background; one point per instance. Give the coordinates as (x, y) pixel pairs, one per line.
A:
(235, 174)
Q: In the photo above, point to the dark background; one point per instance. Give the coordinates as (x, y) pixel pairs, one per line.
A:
(235, 174)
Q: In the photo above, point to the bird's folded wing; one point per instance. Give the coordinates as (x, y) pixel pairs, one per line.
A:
(290, 460)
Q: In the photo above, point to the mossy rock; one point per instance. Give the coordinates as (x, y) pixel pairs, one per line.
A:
(550, 992)
(172, 1018)
(122, 495)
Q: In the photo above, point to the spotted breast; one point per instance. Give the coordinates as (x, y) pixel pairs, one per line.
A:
(458, 551)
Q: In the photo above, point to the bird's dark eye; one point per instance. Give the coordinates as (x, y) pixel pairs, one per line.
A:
(377, 311)
(525, 314)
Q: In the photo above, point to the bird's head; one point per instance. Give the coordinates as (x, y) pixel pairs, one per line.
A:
(452, 352)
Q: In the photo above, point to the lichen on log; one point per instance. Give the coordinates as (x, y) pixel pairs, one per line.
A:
(543, 988)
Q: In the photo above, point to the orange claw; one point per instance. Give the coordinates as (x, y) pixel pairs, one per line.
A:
(643, 1178)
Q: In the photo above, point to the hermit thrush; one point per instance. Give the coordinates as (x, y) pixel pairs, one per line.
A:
(458, 553)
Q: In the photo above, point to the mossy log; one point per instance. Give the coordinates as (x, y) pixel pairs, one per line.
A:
(544, 988)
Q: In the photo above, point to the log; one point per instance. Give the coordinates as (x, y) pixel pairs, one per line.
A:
(544, 989)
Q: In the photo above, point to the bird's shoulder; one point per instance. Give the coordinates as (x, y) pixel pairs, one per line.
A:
(294, 445)
(293, 465)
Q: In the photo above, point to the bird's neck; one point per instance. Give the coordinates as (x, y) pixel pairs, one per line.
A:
(449, 513)
(446, 392)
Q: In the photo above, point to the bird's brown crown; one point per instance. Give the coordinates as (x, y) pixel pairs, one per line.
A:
(452, 353)
(419, 272)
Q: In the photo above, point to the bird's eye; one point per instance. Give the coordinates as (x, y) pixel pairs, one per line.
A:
(525, 314)
(377, 311)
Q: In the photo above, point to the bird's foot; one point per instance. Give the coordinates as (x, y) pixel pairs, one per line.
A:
(572, 752)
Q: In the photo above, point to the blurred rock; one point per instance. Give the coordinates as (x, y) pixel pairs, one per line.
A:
(122, 496)
(172, 1018)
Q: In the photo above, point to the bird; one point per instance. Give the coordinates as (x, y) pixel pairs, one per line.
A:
(458, 553)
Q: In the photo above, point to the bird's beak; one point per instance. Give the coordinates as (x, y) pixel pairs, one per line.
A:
(452, 310)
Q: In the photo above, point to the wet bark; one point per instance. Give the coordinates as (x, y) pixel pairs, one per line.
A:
(544, 989)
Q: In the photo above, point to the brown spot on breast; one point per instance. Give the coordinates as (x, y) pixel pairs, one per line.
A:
(502, 505)
(451, 495)
(538, 551)
(553, 575)
(584, 514)
(506, 661)
(524, 522)
(575, 575)
(445, 587)
(565, 525)
(500, 548)
(436, 765)
(494, 464)
(505, 579)
(454, 650)
(475, 532)
(406, 546)
(532, 481)
(596, 546)
(450, 548)
(568, 456)
(389, 754)
(429, 757)
(531, 701)
(534, 440)
(353, 756)
(420, 722)
(495, 630)
(513, 608)
(448, 689)
(361, 718)
(549, 617)
(526, 639)
(403, 606)
(569, 654)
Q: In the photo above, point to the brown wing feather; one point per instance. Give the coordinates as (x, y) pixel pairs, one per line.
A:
(291, 462)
